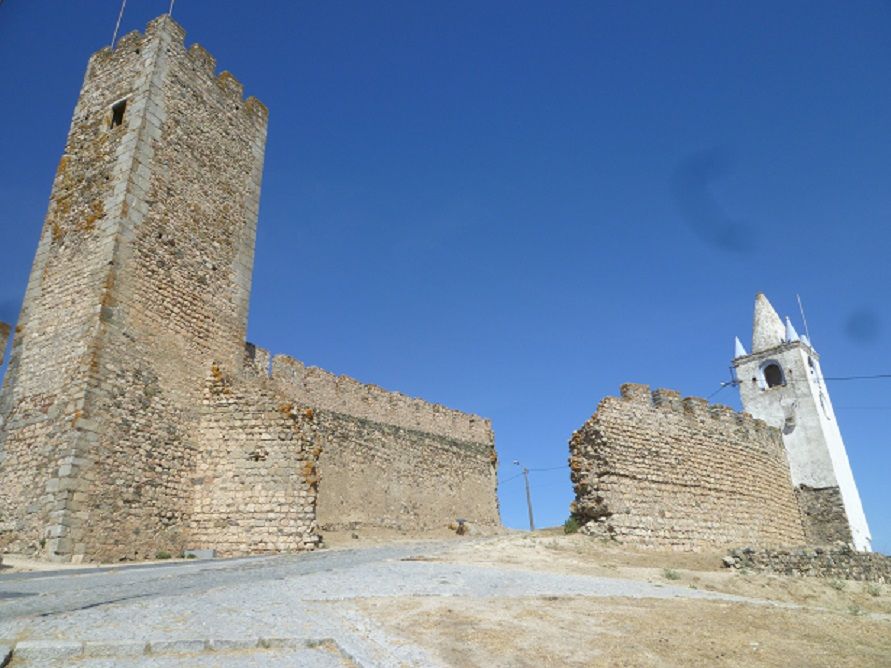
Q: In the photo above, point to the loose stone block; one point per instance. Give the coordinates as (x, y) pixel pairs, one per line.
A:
(177, 646)
(112, 648)
(44, 651)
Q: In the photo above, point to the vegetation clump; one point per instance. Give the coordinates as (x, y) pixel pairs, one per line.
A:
(571, 525)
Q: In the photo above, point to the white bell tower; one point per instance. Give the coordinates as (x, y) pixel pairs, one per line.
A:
(781, 383)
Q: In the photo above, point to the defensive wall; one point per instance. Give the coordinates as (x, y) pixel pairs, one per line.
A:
(659, 470)
(390, 460)
(130, 422)
(824, 562)
(256, 477)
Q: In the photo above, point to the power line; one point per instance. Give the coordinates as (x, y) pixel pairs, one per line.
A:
(511, 478)
(723, 385)
(872, 377)
(863, 408)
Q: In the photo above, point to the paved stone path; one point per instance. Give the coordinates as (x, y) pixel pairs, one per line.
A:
(271, 611)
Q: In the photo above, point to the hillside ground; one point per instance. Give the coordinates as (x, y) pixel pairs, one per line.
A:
(804, 621)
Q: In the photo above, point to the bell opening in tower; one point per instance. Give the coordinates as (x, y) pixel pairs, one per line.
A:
(773, 375)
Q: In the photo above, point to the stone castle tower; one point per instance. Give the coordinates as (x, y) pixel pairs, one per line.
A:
(781, 383)
(141, 281)
(134, 417)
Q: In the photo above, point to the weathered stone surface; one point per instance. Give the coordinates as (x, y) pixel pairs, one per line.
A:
(390, 460)
(114, 648)
(38, 652)
(4, 340)
(838, 561)
(823, 510)
(130, 424)
(658, 470)
(256, 475)
(177, 646)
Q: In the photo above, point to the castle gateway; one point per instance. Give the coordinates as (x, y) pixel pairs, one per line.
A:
(134, 419)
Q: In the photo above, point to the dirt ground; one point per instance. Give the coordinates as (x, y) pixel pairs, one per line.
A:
(834, 623)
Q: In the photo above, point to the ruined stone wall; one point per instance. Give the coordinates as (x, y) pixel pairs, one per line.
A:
(825, 521)
(256, 477)
(141, 282)
(822, 562)
(390, 460)
(661, 471)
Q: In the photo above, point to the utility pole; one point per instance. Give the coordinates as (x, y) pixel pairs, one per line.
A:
(528, 495)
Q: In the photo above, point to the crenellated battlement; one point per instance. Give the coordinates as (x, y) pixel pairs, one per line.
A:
(138, 48)
(203, 59)
(671, 401)
(114, 444)
(342, 394)
(659, 469)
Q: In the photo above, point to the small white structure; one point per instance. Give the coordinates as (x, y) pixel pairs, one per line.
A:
(781, 383)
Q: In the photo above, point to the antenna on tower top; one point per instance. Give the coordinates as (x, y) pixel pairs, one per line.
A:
(117, 26)
(803, 319)
(170, 11)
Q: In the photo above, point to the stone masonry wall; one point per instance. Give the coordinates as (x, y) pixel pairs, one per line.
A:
(825, 521)
(112, 444)
(54, 353)
(4, 339)
(823, 562)
(180, 295)
(256, 476)
(661, 471)
(390, 460)
(141, 281)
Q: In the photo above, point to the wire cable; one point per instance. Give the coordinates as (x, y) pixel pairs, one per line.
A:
(117, 26)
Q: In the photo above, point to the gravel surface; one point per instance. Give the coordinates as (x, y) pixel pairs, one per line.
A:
(302, 596)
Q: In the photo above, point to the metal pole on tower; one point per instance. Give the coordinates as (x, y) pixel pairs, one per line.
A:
(117, 26)
(803, 319)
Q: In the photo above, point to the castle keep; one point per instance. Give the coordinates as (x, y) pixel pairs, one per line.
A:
(133, 416)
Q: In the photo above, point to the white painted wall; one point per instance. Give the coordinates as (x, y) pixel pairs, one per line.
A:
(813, 441)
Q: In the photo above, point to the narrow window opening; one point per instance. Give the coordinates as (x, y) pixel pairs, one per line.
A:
(773, 375)
(117, 113)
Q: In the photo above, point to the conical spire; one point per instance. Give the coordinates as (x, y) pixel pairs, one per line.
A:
(739, 349)
(791, 334)
(768, 330)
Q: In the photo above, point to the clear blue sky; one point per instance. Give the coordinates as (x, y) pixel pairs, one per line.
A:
(512, 208)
